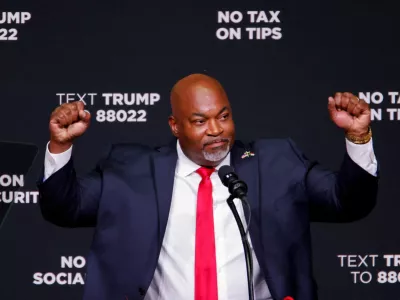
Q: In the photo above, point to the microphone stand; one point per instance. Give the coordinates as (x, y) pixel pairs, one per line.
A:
(246, 246)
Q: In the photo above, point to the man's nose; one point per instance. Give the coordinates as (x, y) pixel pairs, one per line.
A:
(214, 128)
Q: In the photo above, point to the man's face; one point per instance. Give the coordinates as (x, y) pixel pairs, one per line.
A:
(204, 125)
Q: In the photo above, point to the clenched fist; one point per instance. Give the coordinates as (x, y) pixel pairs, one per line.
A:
(350, 113)
(67, 122)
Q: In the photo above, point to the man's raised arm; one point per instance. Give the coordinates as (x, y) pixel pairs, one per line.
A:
(65, 199)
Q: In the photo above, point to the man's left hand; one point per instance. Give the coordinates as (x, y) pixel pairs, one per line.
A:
(350, 113)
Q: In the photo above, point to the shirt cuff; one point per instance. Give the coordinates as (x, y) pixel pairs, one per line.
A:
(363, 155)
(54, 162)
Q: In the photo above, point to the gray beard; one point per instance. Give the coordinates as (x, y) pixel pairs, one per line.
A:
(216, 156)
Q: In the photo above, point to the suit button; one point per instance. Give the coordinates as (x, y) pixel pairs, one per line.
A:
(142, 292)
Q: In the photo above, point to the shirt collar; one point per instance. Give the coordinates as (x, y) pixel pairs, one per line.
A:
(185, 166)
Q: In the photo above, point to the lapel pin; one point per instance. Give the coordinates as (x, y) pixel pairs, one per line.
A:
(247, 154)
(288, 298)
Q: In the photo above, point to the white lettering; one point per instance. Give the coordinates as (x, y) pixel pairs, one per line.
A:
(131, 99)
(357, 261)
(142, 99)
(393, 97)
(73, 262)
(226, 17)
(392, 112)
(17, 17)
(223, 16)
(13, 180)
(392, 260)
(25, 16)
(264, 33)
(229, 33)
(376, 114)
(274, 17)
(108, 98)
(261, 16)
(79, 262)
(19, 197)
(60, 278)
(375, 98)
(154, 98)
(66, 262)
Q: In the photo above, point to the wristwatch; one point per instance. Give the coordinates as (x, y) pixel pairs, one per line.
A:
(360, 140)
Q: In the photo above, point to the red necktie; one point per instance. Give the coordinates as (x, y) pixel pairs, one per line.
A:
(205, 261)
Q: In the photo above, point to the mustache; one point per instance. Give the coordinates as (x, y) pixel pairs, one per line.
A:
(216, 141)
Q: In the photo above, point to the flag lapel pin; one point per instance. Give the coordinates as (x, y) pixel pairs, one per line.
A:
(247, 154)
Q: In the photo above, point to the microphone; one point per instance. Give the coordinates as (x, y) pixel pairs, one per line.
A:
(238, 189)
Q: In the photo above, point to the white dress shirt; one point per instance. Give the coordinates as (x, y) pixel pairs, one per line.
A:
(174, 275)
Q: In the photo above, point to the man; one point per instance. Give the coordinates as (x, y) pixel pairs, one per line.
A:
(163, 228)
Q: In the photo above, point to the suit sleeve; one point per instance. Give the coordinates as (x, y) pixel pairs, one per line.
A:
(343, 196)
(68, 200)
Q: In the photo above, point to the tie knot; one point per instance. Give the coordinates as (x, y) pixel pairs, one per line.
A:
(205, 172)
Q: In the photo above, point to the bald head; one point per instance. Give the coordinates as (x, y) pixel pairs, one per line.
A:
(192, 86)
(201, 119)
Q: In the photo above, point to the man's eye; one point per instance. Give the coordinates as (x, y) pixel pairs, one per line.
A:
(199, 122)
(224, 117)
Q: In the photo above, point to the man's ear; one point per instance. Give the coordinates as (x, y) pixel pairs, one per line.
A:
(173, 125)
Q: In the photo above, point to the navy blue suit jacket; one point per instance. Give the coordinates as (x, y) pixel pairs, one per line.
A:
(127, 198)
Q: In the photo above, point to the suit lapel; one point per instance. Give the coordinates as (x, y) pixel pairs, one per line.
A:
(247, 169)
(164, 164)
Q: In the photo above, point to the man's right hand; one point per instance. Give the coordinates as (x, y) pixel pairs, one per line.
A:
(67, 122)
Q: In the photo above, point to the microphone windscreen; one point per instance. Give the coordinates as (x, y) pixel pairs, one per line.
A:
(224, 173)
